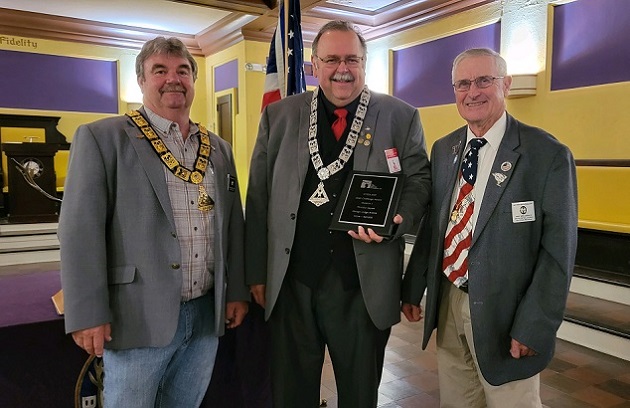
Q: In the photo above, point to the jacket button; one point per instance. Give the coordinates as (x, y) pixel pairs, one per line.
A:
(175, 266)
(292, 216)
(174, 235)
(287, 251)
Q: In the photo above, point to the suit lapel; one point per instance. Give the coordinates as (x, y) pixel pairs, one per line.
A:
(303, 157)
(361, 151)
(153, 167)
(220, 183)
(499, 179)
(455, 146)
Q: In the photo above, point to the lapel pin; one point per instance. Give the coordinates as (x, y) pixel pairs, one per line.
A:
(361, 140)
(499, 177)
(367, 143)
(506, 166)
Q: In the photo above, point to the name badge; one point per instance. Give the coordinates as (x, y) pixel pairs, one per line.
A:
(392, 160)
(523, 211)
(231, 183)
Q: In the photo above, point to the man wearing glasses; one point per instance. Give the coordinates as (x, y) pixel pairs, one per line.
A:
(502, 232)
(319, 287)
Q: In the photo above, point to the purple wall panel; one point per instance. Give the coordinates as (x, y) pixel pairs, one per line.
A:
(590, 43)
(422, 74)
(49, 82)
(308, 74)
(226, 76)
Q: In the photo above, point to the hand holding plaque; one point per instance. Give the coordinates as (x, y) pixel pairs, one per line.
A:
(370, 200)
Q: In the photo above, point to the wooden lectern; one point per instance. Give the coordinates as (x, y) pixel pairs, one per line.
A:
(26, 204)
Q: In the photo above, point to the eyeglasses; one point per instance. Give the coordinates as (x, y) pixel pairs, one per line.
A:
(352, 61)
(481, 83)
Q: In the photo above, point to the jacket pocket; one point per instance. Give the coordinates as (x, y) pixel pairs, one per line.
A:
(121, 274)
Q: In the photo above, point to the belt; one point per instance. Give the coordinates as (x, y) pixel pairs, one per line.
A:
(464, 287)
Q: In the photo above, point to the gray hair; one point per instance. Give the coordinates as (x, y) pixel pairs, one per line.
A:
(168, 46)
(481, 52)
(338, 25)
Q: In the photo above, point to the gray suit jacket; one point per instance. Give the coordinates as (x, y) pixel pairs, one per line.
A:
(519, 273)
(278, 169)
(119, 250)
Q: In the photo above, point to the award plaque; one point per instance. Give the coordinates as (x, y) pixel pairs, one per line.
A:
(370, 200)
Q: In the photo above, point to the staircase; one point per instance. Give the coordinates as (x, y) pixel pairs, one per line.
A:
(28, 243)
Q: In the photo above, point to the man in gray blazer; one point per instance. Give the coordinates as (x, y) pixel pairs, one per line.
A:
(496, 283)
(152, 234)
(320, 287)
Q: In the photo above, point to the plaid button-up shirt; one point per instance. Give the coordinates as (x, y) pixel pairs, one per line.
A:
(195, 228)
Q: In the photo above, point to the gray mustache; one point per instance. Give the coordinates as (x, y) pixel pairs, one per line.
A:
(343, 77)
(173, 89)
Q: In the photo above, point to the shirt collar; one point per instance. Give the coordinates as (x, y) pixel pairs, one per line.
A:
(494, 135)
(164, 125)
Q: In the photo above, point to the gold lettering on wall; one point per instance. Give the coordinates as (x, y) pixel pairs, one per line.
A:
(18, 42)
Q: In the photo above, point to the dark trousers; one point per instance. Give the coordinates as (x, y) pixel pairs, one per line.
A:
(304, 321)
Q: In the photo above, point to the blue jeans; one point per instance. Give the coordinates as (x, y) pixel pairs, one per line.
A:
(173, 376)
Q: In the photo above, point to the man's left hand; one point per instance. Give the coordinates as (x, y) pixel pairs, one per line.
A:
(368, 235)
(518, 350)
(235, 313)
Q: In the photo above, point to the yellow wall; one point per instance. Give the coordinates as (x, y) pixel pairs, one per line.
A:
(592, 121)
(247, 104)
(251, 85)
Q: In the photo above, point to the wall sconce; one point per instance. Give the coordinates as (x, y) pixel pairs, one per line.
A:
(523, 85)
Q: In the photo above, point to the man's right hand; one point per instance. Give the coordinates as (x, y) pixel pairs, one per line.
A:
(413, 313)
(258, 291)
(93, 339)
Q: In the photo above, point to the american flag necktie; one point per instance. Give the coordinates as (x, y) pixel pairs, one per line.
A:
(459, 231)
(339, 125)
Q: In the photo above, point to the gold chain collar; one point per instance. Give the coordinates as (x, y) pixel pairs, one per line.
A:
(203, 153)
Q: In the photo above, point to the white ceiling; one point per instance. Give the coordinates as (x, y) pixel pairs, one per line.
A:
(153, 14)
(369, 5)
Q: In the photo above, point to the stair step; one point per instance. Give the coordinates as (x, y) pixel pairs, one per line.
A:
(28, 229)
(28, 243)
(614, 278)
(603, 315)
(602, 290)
(32, 257)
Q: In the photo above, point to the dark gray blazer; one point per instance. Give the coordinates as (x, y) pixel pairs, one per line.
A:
(119, 249)
(277, 172)
(519, 273)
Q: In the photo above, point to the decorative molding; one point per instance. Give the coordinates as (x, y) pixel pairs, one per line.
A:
(44, 26)
(249, 20)
(254, 7)
(225, 33)
(602, 162)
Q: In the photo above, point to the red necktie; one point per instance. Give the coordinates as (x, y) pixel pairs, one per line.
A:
(459, 231)
(339, 125)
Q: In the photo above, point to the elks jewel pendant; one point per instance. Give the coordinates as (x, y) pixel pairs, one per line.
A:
(319, 197)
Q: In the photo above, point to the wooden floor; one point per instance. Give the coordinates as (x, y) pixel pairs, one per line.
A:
(576, 378)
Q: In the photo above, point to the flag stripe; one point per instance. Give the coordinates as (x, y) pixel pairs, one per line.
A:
(277, 85)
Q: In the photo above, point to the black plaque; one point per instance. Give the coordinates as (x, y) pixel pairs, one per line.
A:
(370, 200)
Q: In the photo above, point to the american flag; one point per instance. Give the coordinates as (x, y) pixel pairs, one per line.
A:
(277, 86)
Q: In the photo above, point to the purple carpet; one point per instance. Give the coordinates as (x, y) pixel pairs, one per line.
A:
(40, 364)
